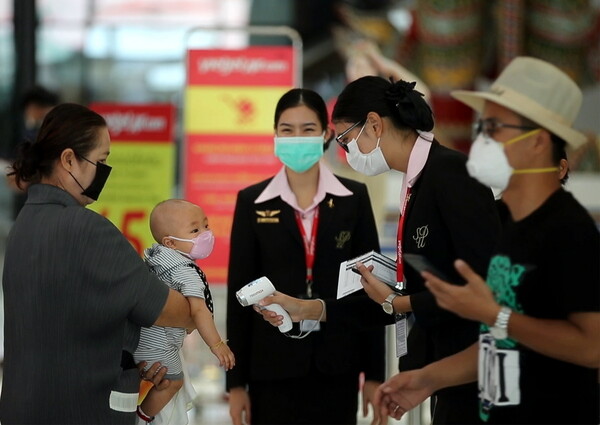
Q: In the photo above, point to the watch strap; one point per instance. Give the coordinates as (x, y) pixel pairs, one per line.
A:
(502, 318)
(390, 298)
(388, 303)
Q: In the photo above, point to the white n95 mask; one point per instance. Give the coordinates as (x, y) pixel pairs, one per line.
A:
(371, 163)
(488, 163)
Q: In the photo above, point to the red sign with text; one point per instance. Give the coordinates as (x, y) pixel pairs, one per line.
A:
(142, 155)
(229, 108)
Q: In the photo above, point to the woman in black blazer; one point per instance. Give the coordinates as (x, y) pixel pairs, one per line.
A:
(384, 125)
(315, 380)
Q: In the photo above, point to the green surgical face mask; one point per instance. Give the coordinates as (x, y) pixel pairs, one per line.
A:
(299, 153)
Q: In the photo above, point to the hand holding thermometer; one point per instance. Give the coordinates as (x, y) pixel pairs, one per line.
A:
(261, 288)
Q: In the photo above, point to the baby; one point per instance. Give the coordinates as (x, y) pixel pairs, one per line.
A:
(183, 236)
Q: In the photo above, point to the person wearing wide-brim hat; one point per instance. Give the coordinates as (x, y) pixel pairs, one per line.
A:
(538, 354)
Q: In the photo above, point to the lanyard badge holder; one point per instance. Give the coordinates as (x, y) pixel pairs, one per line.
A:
(309, 251)
(400, 321)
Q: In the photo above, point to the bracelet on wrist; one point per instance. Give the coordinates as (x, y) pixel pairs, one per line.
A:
(218, 344)
(143, 416)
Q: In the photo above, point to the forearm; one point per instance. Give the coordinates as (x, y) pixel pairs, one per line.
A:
(458, 369)
(176, 312)
(312, 310)
(156, 399)
(402, 304)
(205, 324)
(559, 339)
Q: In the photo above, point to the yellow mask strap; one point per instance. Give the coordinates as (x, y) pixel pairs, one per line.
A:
(521, 137)
(536, 170)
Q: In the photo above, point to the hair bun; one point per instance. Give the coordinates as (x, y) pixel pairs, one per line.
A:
(410, 105)
(27, 162)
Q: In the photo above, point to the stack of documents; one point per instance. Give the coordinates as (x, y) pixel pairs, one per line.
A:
(384, 269)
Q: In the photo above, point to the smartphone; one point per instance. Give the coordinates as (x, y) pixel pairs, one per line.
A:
(422, 264)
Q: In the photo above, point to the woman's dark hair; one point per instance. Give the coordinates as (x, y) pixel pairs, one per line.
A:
(67, 125)
(304, 97)
(398, 100)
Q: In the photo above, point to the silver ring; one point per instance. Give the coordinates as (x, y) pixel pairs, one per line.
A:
(396, 409)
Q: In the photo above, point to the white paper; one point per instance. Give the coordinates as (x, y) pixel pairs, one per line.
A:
(384, 268)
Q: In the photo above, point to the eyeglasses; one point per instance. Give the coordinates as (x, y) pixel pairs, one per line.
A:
(343, 134)
(489, 126)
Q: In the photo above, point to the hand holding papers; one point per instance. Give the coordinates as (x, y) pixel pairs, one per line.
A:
(384, 268)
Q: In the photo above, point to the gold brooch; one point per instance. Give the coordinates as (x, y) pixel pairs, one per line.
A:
(342, 238)
(267, 216)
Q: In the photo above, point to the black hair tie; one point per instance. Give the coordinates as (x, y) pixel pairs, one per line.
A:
(400, 91)
(410, 104)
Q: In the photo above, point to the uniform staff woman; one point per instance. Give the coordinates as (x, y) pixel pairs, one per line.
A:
(75, 291)
(445, 215)
(296, 228)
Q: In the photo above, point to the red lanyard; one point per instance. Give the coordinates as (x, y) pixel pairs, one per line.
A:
(309, 247)
(399, 262)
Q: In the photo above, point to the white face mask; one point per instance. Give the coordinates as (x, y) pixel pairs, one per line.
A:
(371, 163)
(488, 163)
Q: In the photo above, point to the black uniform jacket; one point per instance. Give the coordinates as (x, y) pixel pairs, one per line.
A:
(266, 241)
(449, 216)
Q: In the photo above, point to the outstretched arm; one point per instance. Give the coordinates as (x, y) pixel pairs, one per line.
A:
(574, 340)
(205, 324)
(406, 390)
(297, 308)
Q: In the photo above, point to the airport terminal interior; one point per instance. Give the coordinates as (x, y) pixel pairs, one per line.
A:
(119, 53)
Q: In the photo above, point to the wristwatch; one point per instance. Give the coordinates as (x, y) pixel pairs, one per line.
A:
(500, 328)
(387, 305)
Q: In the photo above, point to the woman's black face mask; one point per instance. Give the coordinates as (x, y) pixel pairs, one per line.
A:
(97, 184)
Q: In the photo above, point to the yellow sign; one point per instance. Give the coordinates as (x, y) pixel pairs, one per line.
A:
(232, 109)
(142, 176)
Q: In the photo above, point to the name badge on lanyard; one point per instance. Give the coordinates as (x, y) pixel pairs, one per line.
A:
(400, 319)
(498, 374)
(309, 251)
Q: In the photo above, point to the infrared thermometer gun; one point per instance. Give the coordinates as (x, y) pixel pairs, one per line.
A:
(261, 288)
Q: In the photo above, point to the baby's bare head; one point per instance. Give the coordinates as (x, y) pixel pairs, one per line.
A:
(173, 217)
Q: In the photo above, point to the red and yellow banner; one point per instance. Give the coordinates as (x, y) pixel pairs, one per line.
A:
(228, 118)
(142, 154)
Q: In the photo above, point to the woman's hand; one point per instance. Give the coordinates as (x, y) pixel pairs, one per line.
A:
(368, 397)
(239, 406)
(296, 308)
(473, 301)
(401, 393)
(375, 289)
(154, 374)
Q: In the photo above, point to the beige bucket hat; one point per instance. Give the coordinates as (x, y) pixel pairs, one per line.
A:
(536, 90)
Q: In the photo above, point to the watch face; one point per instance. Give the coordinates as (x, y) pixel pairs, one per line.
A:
(498, 333)
(387, 307)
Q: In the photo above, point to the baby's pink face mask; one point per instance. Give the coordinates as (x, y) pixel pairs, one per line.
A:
(202, 245)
